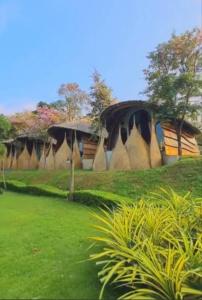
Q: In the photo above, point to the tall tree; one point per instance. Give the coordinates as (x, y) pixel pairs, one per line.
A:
(101, 98)
(173, 78)
(74, 101)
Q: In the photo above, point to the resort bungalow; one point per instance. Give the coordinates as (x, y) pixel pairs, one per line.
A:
(24, 151)
(72, 138)
(132, 138)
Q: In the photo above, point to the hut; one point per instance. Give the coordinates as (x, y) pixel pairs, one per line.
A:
(75, 137)
(136, 140)
(24, 151)
(9, 153)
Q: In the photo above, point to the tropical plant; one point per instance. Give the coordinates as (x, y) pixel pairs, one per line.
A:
(152, 249)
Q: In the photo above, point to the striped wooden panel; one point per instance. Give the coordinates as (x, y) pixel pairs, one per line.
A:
(185, 138)
(89, 156)
(89, 149)
(189, 144)
(186, 145)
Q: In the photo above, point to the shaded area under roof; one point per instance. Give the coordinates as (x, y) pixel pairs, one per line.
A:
(120, 108)
(80, 125)
(115, 112)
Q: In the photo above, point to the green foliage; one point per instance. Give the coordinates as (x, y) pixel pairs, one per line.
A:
(172, 78)
(153, 249)
(131, 184)
(38, 189)
(2, 151)
(101, 98)
(87, 197)
(100, 198)
(5, 127)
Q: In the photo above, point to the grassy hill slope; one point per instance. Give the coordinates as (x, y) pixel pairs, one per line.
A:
(181, 176)
(44, 249)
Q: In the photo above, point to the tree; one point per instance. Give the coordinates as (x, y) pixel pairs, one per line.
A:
(42, 104)
(101, 98)
(5, 127)
(173, 78)
(36, 122)
(74, 100)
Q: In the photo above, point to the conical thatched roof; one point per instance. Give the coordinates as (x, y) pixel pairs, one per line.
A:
(76, 154)
(120, 159)
(42, 161)
(100, 161)
(14, 161)
(137, 150)
(8, 160)
(50, 160)
(34, 163)
(155, 154)
(62, 155)
(24, 159)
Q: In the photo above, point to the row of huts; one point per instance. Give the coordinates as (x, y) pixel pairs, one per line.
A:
(130, 138)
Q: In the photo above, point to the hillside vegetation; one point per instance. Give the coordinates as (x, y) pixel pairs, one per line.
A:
(182, 176)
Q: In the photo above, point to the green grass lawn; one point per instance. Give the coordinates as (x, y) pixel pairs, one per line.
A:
(181, 176)
(42, 244)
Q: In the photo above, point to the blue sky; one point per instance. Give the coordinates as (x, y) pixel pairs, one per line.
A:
(48, 42)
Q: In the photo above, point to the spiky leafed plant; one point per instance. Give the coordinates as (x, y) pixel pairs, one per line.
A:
(153, 248)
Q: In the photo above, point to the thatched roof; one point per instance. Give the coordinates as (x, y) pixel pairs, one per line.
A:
(119, 109)
(30, 136)
(83, 126)
(115, 112)
(7, 142)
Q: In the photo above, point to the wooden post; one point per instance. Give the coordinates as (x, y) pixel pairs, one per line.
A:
(71, 187)
(72, 165)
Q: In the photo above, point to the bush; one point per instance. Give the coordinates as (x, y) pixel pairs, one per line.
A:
(153, 250)
(99, 198)
(87, 197)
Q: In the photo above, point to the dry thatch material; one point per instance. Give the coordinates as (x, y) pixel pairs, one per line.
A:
(120, 159)
(50, 160)
(137, 150)
(76, 154)
(100, 161)
(155, 154)
(14, 161)
(62, 155)
(42, 161)
(34, 163)
(24, 159)
(8, 161)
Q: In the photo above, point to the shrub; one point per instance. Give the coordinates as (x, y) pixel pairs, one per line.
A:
(99, 198)
(87, 197)
(152, 249)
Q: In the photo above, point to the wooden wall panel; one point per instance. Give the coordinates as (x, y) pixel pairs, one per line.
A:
(89, 149)
(189, 144)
